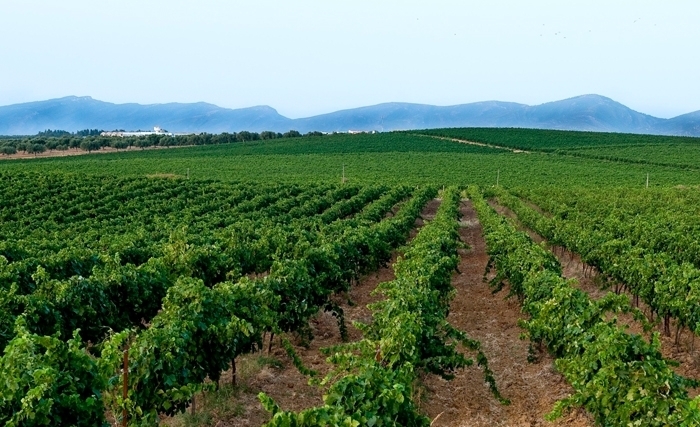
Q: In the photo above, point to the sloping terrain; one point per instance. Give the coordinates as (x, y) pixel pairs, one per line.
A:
(587, 113)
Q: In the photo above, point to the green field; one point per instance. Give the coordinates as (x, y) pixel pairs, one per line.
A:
(182, 262)
(387, 158)
(552, 140)
(679, 155)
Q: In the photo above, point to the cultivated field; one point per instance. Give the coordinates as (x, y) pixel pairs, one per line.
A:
(454, 277)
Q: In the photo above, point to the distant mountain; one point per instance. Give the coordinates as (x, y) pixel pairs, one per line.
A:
(687, 124)
(73, 113)
(587, 112)
(590, 113)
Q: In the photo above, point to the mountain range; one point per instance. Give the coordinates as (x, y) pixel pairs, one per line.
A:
(585, 113)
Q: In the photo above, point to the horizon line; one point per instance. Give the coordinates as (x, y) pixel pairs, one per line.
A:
(345, 109)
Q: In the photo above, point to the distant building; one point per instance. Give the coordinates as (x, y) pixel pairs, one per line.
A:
(156, 131)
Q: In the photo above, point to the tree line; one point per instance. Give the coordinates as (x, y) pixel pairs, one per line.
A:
(48, 133)
(90, 140)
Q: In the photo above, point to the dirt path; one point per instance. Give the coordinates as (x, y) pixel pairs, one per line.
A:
(532, 388)
(686, 352)
(478, 144)
(274, 374)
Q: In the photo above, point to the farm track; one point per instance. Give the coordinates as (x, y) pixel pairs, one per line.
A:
(478, 144)
(686, 352)
(532, 388)
(284, 382)
(572, 154)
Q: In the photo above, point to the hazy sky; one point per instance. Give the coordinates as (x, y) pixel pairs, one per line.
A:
(307, 57)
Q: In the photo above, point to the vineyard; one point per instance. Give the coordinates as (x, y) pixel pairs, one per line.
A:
(137, 288)
(660, 151)
(619, 378)
(396, 158)
(183, 303)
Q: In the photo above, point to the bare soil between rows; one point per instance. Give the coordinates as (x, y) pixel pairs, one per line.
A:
(464, 401)
(493, 320)
(686, 352)
(274, 374)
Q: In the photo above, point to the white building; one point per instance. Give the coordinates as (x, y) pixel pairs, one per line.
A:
(156, 131)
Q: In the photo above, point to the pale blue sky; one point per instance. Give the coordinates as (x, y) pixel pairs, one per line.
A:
(310, 57)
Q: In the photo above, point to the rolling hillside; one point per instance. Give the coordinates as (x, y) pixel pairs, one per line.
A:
(586, 113)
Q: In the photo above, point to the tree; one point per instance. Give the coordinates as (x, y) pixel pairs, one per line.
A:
(223, 138)
(268, 135)
(90, 145)
(142, 143)
(153, 140)
(8, 149)
(247, 136)
(89, 132)
(53, 133)
(35, 148)
(291, 134)
(119, 144)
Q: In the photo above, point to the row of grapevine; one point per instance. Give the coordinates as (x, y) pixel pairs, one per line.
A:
(115, 295)
(199, 326)
(154, 214)
(619, 378)
(663, 151)
(554, 140)
(671, 289)
(661, 220)
(201, 330)
(372, 382)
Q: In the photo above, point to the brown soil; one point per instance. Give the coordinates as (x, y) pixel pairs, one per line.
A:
(532, 388)
(77, 152)
(465, 401)
(478, 144)
(274, 374)
(284, 383)
(686, 352)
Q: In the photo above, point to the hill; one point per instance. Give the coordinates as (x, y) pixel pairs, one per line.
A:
(586, 113)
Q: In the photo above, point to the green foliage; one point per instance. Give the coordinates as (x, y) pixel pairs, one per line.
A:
(167, 288)
(189, 274)
(669, 151)
(372, 383)
(90, 145)
(375, 396)
(195, 336)
(618, 377)
(296, 359)
(35, 148)
(552, 140)
(199, 329)
(53, 133)
(47, 381)
(388, 158)
(644, 241)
